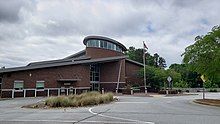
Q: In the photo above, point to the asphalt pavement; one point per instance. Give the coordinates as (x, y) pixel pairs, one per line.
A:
(128, 110)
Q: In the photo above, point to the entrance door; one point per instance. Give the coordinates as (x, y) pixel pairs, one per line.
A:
(95, 77)
(95, 86)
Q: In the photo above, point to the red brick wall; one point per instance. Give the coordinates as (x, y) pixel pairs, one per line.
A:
(109, 71)
(94, 52)
(49, 75)
(131, 71)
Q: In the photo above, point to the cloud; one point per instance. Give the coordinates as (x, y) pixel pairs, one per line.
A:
(43, 30)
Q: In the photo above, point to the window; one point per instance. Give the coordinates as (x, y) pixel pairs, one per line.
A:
(105, 44)
(97, 43)
(118, 48)
(109, 45)
(92, 43)
(94, 73)
(40, 84)
(18, 85)
(101, 44)
(114, 47)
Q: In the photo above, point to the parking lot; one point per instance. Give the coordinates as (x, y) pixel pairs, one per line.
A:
(128, 110)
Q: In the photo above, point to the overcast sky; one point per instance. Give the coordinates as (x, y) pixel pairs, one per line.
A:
(43, 30)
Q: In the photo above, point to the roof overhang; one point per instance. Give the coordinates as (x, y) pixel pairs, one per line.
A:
(48, 65)
(135, 62)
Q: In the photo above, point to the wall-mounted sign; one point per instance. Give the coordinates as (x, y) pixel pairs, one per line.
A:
(66, 84)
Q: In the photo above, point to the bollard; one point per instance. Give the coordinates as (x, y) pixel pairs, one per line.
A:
(103, 91)
(58, 92)
(35, 93)
(132, 92)
(145, 91)
(116, 91)
(13, 93)
(24, 93)
(67, 91)
(48, 92)
(167, 92)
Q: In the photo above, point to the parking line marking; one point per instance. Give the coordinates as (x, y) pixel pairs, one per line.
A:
(119, 118)
(69, 121)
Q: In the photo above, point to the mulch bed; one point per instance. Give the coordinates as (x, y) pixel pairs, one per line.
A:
(212, 102)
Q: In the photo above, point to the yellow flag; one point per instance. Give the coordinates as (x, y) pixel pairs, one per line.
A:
(203, 78)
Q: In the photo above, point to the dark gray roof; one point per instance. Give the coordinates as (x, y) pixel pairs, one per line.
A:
(64, 63)
(77, 56)
(135, 62)
(104, 38)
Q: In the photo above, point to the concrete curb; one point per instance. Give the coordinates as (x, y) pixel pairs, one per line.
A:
(206, 103)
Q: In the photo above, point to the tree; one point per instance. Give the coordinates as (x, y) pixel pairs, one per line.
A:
(137, 55)
(191, 78)
(162, 62)
(204, 55)
(157, 77)
(156, 59)
(176, 77)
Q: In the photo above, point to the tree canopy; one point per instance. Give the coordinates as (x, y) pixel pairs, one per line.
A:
(157, 77)
(204, 55)
(188, 77)
(137, 55)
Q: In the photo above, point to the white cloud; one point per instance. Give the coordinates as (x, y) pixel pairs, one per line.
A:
(44, 30)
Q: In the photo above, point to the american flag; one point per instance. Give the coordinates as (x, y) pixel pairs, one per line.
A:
(145, 46)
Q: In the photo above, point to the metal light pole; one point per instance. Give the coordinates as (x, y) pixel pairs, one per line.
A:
(145, 83)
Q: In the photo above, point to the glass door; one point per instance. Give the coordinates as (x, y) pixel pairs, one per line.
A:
(95, 87)
(95, 77)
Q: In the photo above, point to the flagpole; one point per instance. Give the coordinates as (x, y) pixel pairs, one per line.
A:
(145, 88)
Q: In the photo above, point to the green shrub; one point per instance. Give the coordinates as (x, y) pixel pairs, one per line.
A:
(169, 92)
(213, 90)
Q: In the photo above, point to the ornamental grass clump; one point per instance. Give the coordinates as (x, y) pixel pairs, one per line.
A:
(84, 99)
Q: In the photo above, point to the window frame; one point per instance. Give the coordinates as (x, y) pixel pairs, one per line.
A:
(40, 88)
(103, 44)
(18, 88)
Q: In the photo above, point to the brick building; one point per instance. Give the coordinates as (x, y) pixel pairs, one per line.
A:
(101, 65)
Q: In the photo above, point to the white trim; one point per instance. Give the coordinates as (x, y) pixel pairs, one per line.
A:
(19, 90)
(46, 88)
(111, 82)
(40, 81)
(40, 90)
(18, 81)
